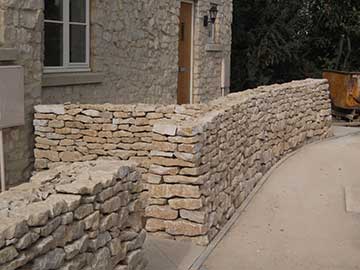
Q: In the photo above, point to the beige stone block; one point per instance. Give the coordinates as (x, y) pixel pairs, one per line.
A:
(187, 228)
(46, 116)
(184, 140)
(165, 128)
(109, 127)
(122, 134)
(122, 114)
(190, 148)
(155, 153)
(164, 146)
(70, 156)
(67, 142)
(94, 139)
(154, 225)
(161, 212)
(105, 134)
(181, 179)
(44, 154)
(56, 123)
(89, 132)
(189, 204)
(160, 170)
(141, 121)
(154, 116)
(92, 113)
(177, 190)
(196, 216)
(152, 178)
(75, 124)
(171, 162)
(84, 119)
(64, 131)
(189, 130)
(46, 141)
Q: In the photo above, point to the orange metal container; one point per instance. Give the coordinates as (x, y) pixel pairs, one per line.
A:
(344, 89)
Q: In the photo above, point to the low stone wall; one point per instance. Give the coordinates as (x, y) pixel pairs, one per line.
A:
(79, 216)
(199, 162)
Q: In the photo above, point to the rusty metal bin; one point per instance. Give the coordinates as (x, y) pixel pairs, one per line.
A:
(344, 89)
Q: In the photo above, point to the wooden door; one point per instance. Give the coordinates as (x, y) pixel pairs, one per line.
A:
(185, 46)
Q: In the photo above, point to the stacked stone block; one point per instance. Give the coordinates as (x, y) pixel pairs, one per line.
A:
(199, 162)
(75, 216)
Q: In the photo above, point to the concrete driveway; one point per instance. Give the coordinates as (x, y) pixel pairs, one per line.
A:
(299, 219)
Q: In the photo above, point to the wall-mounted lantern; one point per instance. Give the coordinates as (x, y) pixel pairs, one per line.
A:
(213, 14)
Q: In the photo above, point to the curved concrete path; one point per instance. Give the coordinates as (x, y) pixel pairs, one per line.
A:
(298, 220)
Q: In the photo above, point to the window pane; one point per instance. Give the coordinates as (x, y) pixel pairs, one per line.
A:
(54, 10)
(77, 43)
(53, 44)
(78, 11)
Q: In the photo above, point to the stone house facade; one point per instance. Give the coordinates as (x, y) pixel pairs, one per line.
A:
(130, 53)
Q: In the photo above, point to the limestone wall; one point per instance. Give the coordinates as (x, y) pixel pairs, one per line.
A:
(78, 216)
(199, 162)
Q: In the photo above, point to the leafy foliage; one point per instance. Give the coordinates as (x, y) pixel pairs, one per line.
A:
(281, 40)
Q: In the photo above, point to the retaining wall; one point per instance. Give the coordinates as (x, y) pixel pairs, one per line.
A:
(76, 216)
(199, 162)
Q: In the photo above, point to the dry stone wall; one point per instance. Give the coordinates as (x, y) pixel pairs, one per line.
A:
(76, 216)
(199, 162)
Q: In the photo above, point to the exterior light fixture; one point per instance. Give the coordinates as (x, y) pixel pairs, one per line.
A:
(213, 14)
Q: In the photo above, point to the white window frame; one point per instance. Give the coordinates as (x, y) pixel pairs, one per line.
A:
(67, 65)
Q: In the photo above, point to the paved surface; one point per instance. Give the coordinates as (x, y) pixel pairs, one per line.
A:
(298, 220)
(170, 255)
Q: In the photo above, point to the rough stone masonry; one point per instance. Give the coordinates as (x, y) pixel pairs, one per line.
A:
(199, 162)
(76, 216)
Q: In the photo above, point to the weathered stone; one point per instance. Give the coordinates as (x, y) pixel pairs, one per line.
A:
(189, 204)
(83, 187)
(101, 260)
(154, 225)
(92, 221)
(100, 241)
(180, 179)
(7, 254)
(50, 109)
(45, 154)
(70, 156)
(50, 226)
(83, 211)
(165, 128)
(182, 227)
(162, 212)
(51, 260)
(171, 162)
(160, 170)
(109, 222)
(27, 240)
(78, 246)
(169, 191)
(196, 216)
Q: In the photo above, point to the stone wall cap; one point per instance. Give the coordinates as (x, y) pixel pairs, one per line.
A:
(55, 109)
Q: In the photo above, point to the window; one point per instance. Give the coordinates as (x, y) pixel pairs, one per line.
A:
(66, 35)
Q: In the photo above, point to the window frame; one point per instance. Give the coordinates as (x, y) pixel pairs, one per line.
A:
(67, 65)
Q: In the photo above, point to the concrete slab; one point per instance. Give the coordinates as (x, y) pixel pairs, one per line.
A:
(352, 199)
(170, 255)
(343, 131)
(298, 220)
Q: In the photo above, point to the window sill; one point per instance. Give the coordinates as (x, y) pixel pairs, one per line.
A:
(212, 47)
(67, 79)
(8, 54)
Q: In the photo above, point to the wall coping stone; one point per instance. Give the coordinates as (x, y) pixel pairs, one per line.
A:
(66, 79)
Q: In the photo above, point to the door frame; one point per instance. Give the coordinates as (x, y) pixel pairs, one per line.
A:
(192, 2)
